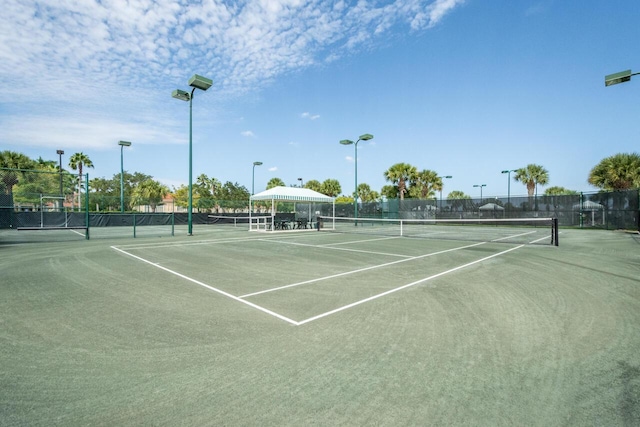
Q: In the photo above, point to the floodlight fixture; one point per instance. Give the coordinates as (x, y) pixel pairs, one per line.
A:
(621, 77)
(196, 82)
(181, 95)
(508, 172)
(122, 144)
(363, 137)
(200, 82)
(253, 174)
(480, 185)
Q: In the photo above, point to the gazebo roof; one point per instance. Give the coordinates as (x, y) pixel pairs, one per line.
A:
(588, 205)
(292, 194)
(491, 207)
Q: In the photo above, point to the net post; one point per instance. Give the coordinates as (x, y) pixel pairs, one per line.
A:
(172, 223)
(134, 226)
(554, 231)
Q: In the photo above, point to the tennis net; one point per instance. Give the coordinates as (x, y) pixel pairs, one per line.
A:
(506, 230)
(229, 221)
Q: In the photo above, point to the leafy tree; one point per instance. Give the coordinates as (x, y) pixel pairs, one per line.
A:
(618, 172)
(314, 185)
(149, 192)
(106, 192)
(76, 162)
(331, 187)
(13, 160)
(275, 182)
(458, 200)
(559, 191)
(389, 191)
(235, 195)
(344, 200)
(366, 194)
(181, 196)
(401, 174)
(425, 184)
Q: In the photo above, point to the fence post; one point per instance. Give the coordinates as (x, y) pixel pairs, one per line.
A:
(581, 205)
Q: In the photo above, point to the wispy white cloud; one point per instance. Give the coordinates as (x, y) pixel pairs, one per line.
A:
(118, 58)
(349, 159)
(310, 116)
(247, 133)
(273, 169)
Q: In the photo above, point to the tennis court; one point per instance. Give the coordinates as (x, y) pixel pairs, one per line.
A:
(230, 327)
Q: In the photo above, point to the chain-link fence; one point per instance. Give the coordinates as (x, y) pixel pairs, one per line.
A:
(51, 196)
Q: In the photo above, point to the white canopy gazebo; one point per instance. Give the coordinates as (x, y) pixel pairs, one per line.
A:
(593, 207)
(287, 194)
(491, 207)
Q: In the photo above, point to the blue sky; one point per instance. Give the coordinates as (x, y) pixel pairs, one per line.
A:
(463, 87)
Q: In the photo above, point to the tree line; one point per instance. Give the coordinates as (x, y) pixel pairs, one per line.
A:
(617, 172)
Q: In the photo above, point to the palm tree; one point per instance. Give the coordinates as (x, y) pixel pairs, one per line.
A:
(77, 162)
(401, 174)
(425, 184)
(532, 175)
(458, 199)
(150, 192)
(618, 172)
(366, 194)
(559, 191)
(331, 187)
(275, 182)
(207, 187)
(313, 184)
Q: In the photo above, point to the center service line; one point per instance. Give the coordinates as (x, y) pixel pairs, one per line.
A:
(328, 313)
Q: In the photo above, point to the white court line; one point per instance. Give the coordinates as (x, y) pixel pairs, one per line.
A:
(417, 282)
(346, 273)
(322, 315)
(195, 243)
(338, 249)
(360, 241)
(272, 313)
(515, 235)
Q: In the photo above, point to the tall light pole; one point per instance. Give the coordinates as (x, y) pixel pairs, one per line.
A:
(508, 172)
(300, 179)
(445, 176)
(253, 174)
(60, 153)
(202, 83)
(621, 77)
(122, 144)
(363, 137)
(480, 185)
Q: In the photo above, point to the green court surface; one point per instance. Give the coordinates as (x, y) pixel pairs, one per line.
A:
(230, 327)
